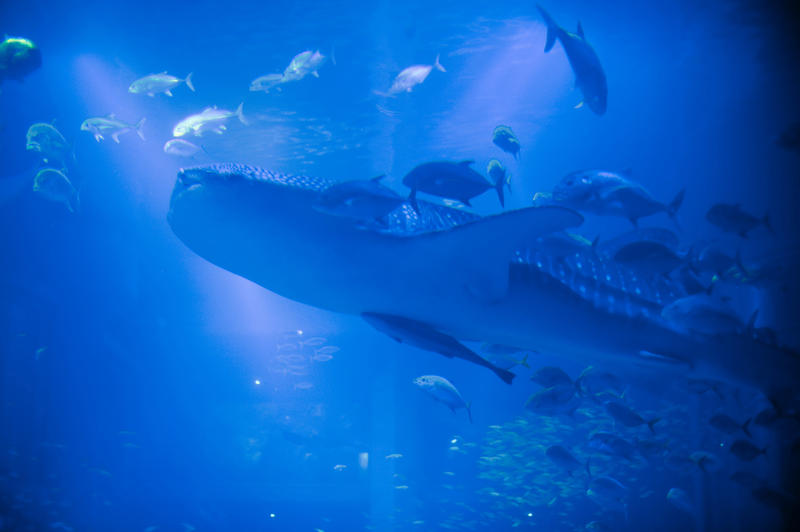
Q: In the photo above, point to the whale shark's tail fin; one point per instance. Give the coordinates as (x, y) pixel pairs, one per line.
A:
(552, 28)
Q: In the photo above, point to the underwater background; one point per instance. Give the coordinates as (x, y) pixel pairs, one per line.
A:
(143, 388)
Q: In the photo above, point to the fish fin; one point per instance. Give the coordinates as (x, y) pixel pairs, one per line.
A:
(579, 31)
(469, 411)
(138, 128)
(412, 199)
(653, 422)
(377, 179)
(675, 204)
(552, 29)
(740, 264)
(767, 224)
(634, 221)
(751, 323)
(115, 136)
(746, 427)
(98, 137)
(188, 81)
(466, 202)
(578, 105)
(437, 65)
(524, 362)
(499, 187)
(315, 74)
(240, 115)
(168, 93)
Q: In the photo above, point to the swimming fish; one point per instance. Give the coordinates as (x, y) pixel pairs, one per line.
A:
(746, 451)
(680, 500)
(505, 139)
(55, 186)
(497, 173)
(611, 444)
(703, 314)
(19, 57)
(724, 423)
(449, 180)
(210, 119)
(181, 148)
(627, 416)
(549, 376)
(706, 461)
(109, 125)
(607, 193)
(589, 75)
(303, 64)
(363, 200)
(411, 77)
(733, 219)
(159, 83)
(50, 143)
(443, 391)
(267, 82)
(560, 456)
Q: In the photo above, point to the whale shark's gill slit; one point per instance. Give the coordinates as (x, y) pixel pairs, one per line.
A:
(602, 283)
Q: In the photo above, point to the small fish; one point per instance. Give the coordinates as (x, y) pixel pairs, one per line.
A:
(589, 75)
(611, 444)
(50, 143)
(497, 173)
(446, 179)
(159, 83)
(265, 83)
(598, 384)
(303, 386)
(505, 139)
(774, 499)
(746, 451)
(549, 376)
(624, 414)
(403, 487)
(54, 185)
(706, 461)
(181, 148)
(724, 423)
(411, 77)
(327, 350)
(339, 467)
(394, 456)
(303, 64)
(362, 200)
(733, 219)
(321, 357)
(561, 456)
(680, 500)
(608, 193)
(314, 341)
(443, 391)
(109, 125)
(210, 119)
(552, 400)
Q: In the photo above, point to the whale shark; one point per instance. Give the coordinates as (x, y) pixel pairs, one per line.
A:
(439, 275)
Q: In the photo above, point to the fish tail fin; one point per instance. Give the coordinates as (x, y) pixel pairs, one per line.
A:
(746, 427)
(653, 422)
(240, 115)
(767, 224)
(499, 187)
(469, 411)
(188, 81)
(412, 199)
(504, 374)
(524, 362)
(552, 28)
(437, 65)
(740, 264)
(702, 464)
(138, 128)
(675, 204)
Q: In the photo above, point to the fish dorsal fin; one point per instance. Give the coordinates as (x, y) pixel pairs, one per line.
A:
(479, 253)
(377, 178)
(469, 162)
(580, 31)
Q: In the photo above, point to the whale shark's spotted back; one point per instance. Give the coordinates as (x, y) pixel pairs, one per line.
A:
(602, 282)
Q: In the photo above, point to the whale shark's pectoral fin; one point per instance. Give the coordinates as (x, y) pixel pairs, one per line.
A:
(424, 336)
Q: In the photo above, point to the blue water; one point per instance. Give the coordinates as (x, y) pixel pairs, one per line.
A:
(142, 388)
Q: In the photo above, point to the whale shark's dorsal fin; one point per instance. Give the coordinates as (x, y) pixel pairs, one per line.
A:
(580, 31)
(478, 253)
